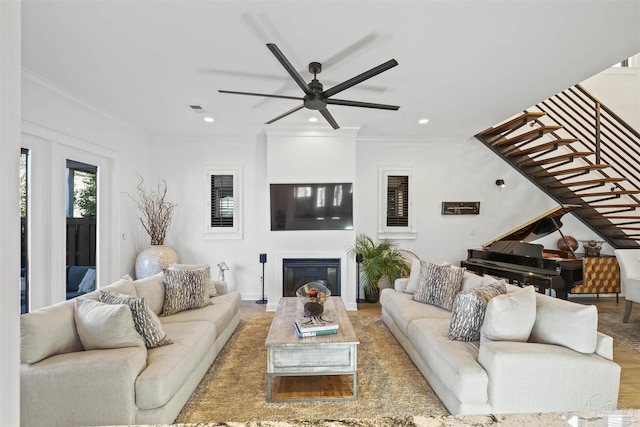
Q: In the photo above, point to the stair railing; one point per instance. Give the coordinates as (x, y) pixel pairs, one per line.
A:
(599, 129)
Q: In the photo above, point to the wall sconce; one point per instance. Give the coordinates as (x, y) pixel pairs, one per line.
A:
(500, 183)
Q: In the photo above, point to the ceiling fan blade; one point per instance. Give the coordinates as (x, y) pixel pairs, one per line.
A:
(360, 78)
(328, 117)
(293, 110)
(362, 104)
(287, 66)
(233, 92)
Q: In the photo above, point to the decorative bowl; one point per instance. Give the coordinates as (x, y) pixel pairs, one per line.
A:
(313, 296)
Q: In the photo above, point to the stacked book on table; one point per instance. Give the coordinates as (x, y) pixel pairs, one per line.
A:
(316, 326)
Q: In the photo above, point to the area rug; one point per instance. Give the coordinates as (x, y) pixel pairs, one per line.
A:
(389, 384)
(624, 334)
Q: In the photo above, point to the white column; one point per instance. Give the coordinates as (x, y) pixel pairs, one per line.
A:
(10, 116)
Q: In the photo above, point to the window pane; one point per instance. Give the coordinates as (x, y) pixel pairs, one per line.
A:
(397, 201)
(222, 202)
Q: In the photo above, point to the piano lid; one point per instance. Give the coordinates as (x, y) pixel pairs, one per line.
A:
(536, 228)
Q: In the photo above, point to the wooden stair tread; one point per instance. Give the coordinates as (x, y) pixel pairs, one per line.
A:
(576, 154)
(514, 123)
(599, 194)
(622, 205)
(541, 147)
(586, 182)
(526, 136)
(571, 170)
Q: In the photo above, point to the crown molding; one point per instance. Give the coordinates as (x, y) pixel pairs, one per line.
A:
(33, 80)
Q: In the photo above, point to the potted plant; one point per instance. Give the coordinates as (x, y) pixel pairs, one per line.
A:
(379, 260)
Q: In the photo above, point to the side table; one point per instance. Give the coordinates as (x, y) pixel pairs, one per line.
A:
(601, 276)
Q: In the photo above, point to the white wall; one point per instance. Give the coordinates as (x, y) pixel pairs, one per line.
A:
(10, 101)
(57, 126)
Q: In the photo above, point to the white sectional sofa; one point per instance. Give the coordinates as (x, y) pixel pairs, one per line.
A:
(63, 384)
(557, 362)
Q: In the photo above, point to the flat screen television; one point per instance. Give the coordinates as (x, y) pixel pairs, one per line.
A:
(325, 206)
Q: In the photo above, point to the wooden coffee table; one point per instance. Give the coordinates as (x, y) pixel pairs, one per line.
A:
(312, 368)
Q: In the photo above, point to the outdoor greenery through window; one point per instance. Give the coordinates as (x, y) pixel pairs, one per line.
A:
(81, 190)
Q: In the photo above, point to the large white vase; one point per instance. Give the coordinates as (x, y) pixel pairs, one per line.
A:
(153, 259)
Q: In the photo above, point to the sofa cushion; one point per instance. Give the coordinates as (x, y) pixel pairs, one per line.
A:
(212, 288)
(439, 284)
(74, 276)
(184, 290)
(455, 362)
(471, 280)
(168, 366)
(510, 317)
(565, 323)
(468, 311)
(152, 289)
(104, 326)
(48, 331)
(403, 309)
(122, 286)
(145, 320)
(221, 312)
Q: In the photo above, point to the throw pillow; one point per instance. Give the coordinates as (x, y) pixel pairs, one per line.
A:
(88, 282)
(213, 292)
(439, 285)
(104, 326)
(145, 320)
(185, 289)
(510, 317)
(468, 311)
(414, 276)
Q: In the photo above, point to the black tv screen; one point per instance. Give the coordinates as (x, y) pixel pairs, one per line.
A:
(327, 206)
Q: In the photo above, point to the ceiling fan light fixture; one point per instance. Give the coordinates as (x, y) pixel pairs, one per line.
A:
(423, 121)
(312, 119)
(208, 119)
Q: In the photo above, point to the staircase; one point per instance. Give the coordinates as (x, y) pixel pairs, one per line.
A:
(580, 153)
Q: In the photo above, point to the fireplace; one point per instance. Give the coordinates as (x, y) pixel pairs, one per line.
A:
(298, 271)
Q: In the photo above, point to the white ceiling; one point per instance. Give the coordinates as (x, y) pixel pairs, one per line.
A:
(465, 65)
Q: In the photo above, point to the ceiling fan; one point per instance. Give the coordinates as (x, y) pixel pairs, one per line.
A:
(315, 97)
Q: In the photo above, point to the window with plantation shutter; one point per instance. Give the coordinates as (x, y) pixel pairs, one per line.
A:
(397, 201)
(222, 200)
(397, 216)
(223, 192)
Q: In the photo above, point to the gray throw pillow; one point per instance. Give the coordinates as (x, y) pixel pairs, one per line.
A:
(185, 289)
(469, 309)
(439, 284)
(145, 320)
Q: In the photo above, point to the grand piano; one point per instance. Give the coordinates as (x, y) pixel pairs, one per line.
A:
(513, 257)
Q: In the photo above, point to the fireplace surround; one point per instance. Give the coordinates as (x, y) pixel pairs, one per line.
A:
(298, 271)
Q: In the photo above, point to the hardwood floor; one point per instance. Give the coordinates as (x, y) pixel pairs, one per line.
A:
(629, 361)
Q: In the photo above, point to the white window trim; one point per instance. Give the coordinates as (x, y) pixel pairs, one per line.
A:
(227, 233)
(398, 233)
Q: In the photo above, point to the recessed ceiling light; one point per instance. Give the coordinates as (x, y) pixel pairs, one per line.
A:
(313, 119)
(423, 121)
(208, 119)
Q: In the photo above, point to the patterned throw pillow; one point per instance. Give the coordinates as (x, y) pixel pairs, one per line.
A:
(185, 289)
(439, 284)
(145, 320)
(469, 309)
(213, 292)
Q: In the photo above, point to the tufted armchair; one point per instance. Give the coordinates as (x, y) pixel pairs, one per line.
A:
(629, 262)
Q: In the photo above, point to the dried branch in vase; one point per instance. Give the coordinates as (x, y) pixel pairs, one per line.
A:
(157, 212)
